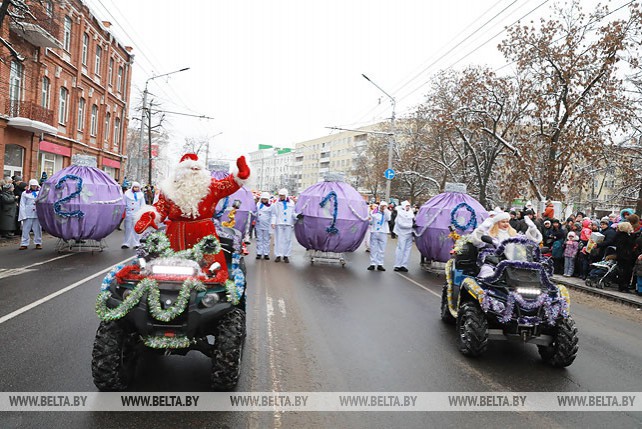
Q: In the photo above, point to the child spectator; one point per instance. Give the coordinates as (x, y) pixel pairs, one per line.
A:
(570, 251)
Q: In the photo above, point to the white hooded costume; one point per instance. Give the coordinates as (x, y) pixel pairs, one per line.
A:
(403, 229)
(263, 221)
(134, 201)
(283, 219)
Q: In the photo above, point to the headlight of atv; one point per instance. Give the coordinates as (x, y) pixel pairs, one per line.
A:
(210, 299)
(530, 291)
(173, 270)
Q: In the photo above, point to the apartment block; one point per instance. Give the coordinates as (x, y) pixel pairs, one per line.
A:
(273, 169)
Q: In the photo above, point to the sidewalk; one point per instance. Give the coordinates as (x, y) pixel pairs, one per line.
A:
(577, 283)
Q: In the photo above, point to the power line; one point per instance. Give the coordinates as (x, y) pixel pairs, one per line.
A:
(448, 51)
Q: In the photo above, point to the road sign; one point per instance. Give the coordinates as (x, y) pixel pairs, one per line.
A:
(389, 174)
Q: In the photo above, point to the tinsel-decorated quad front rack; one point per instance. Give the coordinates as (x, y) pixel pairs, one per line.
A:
(156, 246)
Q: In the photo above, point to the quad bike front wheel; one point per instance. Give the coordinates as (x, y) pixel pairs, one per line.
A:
(113, 357)
(563, 350)
(472, 328)
(446, 317)
(227, 350)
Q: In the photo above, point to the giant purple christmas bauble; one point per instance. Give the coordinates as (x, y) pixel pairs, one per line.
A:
(437, 214)
(335, 217)
(79, 203)
(225, 205)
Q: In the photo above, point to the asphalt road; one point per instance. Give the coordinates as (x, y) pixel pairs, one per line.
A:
(318, 328)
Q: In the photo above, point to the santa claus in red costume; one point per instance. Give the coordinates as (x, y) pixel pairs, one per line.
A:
(187, 202)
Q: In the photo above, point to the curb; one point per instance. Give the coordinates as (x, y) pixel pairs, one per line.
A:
(631, 300)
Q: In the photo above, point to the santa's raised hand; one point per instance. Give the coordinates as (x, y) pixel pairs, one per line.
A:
(242, 169)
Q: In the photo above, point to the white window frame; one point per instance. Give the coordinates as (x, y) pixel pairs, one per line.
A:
(45, 97)
(110, 71)
(15, 87)
(107, 130)
(81, 113)
(67, 33)
(116, 132)
(85, 48)
(93, 127)
(99, 54)
(62, 106)
(119, 79)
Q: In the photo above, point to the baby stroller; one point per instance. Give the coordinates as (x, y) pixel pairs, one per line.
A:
(604, 272)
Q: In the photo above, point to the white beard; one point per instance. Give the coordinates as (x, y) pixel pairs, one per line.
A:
(187, 188)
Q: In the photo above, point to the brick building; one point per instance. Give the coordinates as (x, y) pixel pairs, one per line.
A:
(64, 89)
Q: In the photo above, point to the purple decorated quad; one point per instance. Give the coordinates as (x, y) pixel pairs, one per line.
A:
(79, 203)
(225, 205)
(435, 217)
(335, 217)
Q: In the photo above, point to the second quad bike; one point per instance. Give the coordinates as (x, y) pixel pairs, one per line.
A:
(517, 302)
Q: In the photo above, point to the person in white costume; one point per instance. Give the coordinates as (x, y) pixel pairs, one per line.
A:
(27, 215)
(403, 230)
(262, 227)
(134, 201)
(500, 231)
(283, 219)
(379, 230)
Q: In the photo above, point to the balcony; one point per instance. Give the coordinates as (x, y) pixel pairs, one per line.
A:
(27, 109)
(29, 116)
(38, 29)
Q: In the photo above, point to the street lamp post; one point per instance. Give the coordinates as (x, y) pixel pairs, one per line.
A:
(142, 122)
(391, 142)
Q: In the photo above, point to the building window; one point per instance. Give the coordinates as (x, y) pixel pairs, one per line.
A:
(46, 86)
(94, 120)
(85, 48)
(116, 132)
(15, 87)
(81, 114)
(99, 53)
(49, 7)
(62, 106)
(67, 34)
(107, 130)
(119, 80)
(110, 72)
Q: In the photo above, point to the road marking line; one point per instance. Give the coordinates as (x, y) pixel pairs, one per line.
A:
(8, 272)
(55, 294)
(274, 372)
(282, 307)
(420, 285)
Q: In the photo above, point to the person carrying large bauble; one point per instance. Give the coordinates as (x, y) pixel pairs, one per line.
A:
(187, 202)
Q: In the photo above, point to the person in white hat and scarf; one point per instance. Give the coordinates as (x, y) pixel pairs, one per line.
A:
(500, 231)
(28, 216)
(283, 219)
(134, 201)
(262, 227)
(403, 229)
(379, 230)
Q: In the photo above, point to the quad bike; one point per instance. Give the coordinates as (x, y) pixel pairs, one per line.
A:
(518, 302)
(170, 303)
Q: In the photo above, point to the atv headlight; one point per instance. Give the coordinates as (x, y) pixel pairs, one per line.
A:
(528, 291)
(210, 299)
(175, 270)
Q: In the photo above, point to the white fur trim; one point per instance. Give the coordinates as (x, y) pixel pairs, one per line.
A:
(234, 171)
(501, 216)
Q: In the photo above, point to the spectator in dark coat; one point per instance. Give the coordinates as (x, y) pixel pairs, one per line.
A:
(8, 210)
(609, 236)
(391, 222)
(624, 242)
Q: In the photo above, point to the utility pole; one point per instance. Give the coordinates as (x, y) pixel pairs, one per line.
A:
(144, 110)
(392, 141)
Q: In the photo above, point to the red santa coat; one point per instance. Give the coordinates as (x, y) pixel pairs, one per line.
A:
(184, 232)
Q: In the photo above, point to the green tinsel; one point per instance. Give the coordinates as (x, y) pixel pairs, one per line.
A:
(179, 306)
(109, 314)
(156, 342)
(232, 294)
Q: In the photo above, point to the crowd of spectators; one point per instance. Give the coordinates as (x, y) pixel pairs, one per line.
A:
(578, 241)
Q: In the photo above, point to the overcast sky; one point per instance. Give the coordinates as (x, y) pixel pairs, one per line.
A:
(277, 72)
